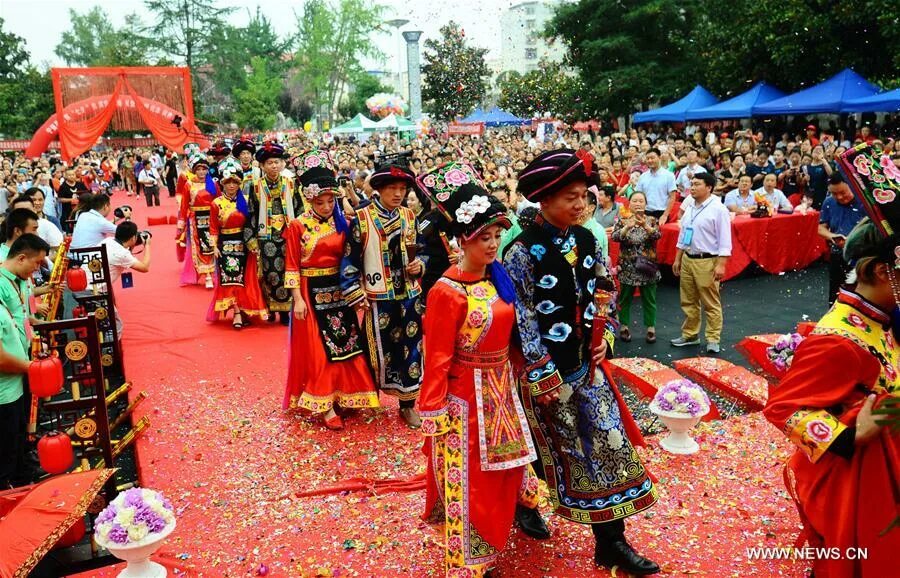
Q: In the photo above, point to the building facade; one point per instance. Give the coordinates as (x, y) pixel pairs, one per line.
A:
(522, 46)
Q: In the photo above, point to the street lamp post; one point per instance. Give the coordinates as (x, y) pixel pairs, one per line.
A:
(396, 24)
(413, 73)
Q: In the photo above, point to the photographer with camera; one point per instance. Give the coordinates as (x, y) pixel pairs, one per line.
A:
(121, 259)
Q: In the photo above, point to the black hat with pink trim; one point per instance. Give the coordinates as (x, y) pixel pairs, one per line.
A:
(554, 170)
(389, 173)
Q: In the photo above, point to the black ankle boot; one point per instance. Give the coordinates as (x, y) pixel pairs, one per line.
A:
(531, 523)
(285, 317)
(618, 552)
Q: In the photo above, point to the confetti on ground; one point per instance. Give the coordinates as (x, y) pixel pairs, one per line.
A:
(230, 460)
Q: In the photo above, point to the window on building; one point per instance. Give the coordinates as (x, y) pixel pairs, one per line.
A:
(529, 10)
(531, 54)
(529, 24)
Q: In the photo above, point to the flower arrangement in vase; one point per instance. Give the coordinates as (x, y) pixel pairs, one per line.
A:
(132, 527)
(680, 404)
(764, 207)
(781, 354)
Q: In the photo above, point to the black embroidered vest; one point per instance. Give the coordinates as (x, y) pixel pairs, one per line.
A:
(562, 293)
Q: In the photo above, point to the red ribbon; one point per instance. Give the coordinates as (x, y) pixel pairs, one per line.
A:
(395, 172)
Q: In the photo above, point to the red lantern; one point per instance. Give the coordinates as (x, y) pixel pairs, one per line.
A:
(45, 376)
(76, 279)
(55, 453)
(73, 535)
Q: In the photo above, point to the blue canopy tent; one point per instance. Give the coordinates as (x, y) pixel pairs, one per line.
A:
(830, 96)
(884, 102)
(741, 106)
(476, 116)
(499, 117)
(675, 112)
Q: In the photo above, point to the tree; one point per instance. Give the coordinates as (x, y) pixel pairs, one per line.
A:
(332, 40)
(255, 105)
(453, 74)
(92, 40)
(186, 28)
(793, 45)
(548, 89)
(630, 52)
(12, 53)
(26, 94)
(364, 86)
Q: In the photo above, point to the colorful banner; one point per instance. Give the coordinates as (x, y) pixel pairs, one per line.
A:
(456, 128)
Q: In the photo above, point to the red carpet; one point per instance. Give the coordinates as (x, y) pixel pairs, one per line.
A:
(234, 465)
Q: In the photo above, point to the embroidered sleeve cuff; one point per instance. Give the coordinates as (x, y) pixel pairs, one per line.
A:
(292, 280)
(813, 431)
(542, 376)
(253, 245)
(435, 423)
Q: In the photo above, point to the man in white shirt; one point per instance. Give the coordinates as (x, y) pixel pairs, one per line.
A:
(741, 200)
(775, 197)
(120, 258)
(686, 175)
(658, 186)
(704, 246)
(149, 180)
(93, 226)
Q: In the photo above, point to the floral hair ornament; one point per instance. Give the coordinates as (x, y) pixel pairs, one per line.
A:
(458, 193)
(230, 168)
(315, 172)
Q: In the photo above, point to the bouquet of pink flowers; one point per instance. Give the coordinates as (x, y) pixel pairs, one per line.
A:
(134, 515)
(682, 396)
(781, 354)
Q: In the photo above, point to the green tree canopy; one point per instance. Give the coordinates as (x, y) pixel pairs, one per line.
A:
(13, 55)
(185, 29)
(256, 105)
(630, 52)
(92, 40)
(26, 93)
(454, 74)
(548, 89)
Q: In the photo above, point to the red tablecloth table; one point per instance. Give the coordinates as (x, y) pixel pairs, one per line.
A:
(777, 244)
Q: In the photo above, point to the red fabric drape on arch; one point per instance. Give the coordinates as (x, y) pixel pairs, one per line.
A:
(138, 98)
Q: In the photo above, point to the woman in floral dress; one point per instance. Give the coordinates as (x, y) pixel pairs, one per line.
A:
(478, 445)
(637, 235)
(326, 367)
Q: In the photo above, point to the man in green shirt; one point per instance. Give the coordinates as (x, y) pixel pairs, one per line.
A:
(23, 260)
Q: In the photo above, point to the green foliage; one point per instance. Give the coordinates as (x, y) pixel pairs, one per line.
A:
(92, 40)
(25, 102)
(332, 39)
(454, 74)
(364, 86)
(797, 43)
(255, 105)
(549, 89)
(631, 53)
(12, 53)
(185, 29)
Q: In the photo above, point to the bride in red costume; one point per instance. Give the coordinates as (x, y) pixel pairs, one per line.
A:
(478, 444)
(237, 286)
(197, 193)
(844, 475)
(326, 366)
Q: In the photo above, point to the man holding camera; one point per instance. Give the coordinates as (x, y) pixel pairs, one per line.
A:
(121, 259)
(841, 211)
(149, 179)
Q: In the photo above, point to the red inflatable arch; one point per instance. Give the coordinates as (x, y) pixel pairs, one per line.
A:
(173, 138)
(89, 100)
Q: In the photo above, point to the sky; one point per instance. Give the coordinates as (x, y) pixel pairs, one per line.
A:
(42, 22)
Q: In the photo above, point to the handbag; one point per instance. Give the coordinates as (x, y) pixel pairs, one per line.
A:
(646, 266)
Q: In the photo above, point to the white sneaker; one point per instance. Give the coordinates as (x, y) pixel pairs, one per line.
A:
(713, 347)
(209, 282)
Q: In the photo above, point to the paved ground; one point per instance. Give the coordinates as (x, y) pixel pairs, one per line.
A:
(754, 303)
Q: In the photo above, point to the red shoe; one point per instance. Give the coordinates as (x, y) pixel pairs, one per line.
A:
(334, 423)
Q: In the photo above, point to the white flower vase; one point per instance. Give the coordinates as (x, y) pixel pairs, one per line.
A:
(137, 555)
(679, 440)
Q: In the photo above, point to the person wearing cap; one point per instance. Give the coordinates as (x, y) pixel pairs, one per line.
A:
(273, 204)
(811, 131)
(237, 288)
(243, 151)
(217, 152)
(327, 368)
(581, 428)
(480, 432)
(843, 475)
(380, 274)
(197, 194)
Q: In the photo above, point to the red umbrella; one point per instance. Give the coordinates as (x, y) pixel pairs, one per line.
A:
(42, 516)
